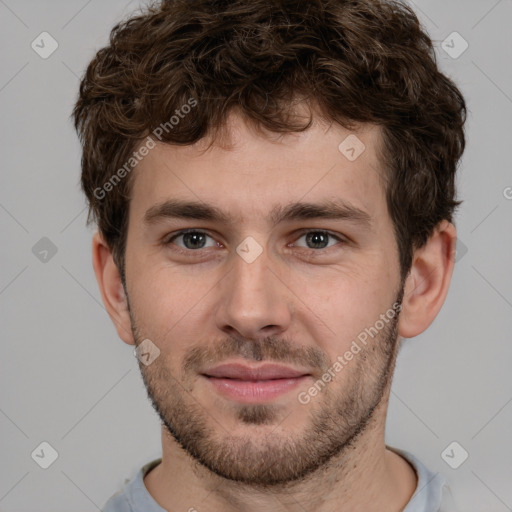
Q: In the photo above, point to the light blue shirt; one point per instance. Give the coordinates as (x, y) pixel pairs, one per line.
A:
(432, 492)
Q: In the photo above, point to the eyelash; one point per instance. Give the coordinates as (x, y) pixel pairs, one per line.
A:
(167, 241)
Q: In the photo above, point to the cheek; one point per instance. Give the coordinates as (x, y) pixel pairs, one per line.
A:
(348, 303)
(165, 302)
(167, 290)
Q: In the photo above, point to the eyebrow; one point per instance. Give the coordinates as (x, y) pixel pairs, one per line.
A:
(193, 210)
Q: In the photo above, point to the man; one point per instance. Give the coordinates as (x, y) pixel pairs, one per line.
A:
(273, 183)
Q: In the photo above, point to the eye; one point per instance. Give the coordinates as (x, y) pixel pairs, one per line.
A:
(319, 239)
(192, 239)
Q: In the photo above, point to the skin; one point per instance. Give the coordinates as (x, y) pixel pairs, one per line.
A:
(310, 303)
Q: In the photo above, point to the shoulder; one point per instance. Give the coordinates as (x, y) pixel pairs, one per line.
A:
(432, 493)
(118, 503)
(134, 497)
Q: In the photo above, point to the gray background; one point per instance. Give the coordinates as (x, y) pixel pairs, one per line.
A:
(65, 377)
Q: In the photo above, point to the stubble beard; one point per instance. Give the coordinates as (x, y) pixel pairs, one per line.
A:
(336, 419)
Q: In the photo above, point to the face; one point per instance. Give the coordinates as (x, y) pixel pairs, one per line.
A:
(275, 312)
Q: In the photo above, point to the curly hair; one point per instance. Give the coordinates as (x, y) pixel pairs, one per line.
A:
(348, 61)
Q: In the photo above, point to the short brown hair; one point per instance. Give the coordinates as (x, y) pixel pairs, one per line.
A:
(349, 61)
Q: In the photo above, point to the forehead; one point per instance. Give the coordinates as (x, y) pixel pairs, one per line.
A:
(250, 173)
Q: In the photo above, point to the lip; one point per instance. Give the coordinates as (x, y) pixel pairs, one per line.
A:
(254, 384)
(263, 372)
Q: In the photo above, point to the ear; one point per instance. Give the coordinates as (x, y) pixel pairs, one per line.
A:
(428, 281)
(111, 288)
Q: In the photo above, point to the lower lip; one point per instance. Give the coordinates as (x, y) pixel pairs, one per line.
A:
(251, 391)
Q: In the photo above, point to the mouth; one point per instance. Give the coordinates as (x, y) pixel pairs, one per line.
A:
(247, 384)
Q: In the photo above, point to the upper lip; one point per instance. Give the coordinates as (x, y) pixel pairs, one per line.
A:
(264, 372)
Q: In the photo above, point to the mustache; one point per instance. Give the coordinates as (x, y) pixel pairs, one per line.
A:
(269, 349)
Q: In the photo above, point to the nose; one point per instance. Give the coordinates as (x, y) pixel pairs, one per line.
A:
(254, 300)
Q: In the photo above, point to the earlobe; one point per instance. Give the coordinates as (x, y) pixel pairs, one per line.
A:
(427, 284)
(111, 288)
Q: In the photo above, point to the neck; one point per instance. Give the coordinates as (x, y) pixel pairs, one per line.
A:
(366, 476)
